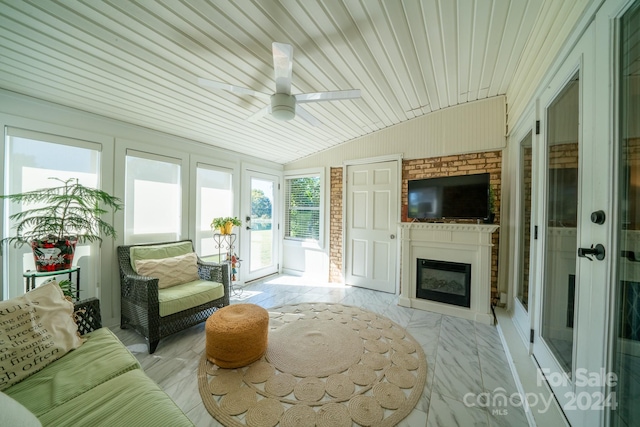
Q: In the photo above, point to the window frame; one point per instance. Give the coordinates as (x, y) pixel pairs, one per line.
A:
(18, 259)
(198, 233)
(307, 173)
(142, 151)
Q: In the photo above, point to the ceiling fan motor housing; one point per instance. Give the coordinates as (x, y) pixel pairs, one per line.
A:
(283, 106)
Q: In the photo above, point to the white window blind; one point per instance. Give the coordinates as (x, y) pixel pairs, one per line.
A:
(302, 202)
(214, 198)
(153, 198)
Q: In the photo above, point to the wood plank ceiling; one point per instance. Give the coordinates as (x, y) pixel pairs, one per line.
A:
(138, 61)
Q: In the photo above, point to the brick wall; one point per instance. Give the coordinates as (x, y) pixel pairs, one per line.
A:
(562, 196)
(527, 171)
(464, 164)
(335, 224)
(632, 154)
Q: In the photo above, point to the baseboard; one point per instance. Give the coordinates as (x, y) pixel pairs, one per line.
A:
(525, 373)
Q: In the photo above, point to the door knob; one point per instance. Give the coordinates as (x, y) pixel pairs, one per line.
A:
(597, 251)
(393, 236)
(598, 217)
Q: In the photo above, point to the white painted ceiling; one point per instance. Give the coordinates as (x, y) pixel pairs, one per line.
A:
(139, 61)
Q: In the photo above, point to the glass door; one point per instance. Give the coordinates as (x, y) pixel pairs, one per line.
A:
(261, 224)
(559, 282)
(626, 314)
(573, 214)
(522, 291)
(561, 244)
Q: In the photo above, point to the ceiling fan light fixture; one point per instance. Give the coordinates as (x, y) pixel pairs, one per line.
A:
(283, 106)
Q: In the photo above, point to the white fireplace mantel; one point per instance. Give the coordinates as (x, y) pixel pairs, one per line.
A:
(462, 243)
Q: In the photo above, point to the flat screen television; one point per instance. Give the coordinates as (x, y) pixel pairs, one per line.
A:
(465, 196)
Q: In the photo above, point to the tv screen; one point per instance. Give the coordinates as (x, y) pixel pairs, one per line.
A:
(465, 196)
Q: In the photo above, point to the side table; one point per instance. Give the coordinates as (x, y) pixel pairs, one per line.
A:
(30, 278)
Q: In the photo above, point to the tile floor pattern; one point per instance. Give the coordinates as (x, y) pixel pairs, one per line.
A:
(463, 357)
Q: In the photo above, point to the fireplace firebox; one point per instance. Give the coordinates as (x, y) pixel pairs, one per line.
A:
(443, 281)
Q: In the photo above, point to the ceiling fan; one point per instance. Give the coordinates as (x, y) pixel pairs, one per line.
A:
(284, 105)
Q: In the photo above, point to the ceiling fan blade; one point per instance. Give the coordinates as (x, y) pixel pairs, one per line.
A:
(307, 116)
(231, 88)
(282, 66)
(259, 114)
(334, 95)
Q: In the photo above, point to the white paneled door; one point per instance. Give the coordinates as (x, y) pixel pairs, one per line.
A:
(370, 257)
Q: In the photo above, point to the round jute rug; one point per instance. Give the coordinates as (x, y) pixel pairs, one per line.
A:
(326, 365)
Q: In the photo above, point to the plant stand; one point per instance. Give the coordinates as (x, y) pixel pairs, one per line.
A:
(30, 278)
(225, 243)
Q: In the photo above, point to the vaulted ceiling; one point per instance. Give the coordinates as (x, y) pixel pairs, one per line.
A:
(139, 62)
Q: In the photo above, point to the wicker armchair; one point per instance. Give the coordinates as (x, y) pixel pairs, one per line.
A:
(139, 300)
(87, 315)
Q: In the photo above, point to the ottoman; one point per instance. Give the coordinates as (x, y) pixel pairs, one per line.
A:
(236, 335)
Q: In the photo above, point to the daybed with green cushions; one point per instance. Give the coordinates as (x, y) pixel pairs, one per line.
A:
(166, 288)
(98, 382)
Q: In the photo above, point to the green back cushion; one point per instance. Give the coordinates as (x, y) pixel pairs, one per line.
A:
(168, 250)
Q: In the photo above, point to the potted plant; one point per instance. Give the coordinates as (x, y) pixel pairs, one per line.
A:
(67, 289)
(492, 203)
(67, 214)
(225, 224)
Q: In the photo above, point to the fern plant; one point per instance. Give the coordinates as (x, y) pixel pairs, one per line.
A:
(69, 211)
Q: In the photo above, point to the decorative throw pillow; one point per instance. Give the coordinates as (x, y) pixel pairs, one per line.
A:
(12, 413)
(170, 271)
(166, 250)
(36, 329)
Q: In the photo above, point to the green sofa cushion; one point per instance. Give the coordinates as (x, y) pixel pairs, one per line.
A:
(131, 399)
(168, 250)
(188, 295)
(99, 359)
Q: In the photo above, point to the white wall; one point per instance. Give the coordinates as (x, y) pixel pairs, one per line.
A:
(473, 127)
(467, 128)
(560, 24)
(115, 136)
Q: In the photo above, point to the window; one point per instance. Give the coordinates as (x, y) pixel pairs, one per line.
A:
(153, 198)
(302, 202)
(214, 198)
(32, 158)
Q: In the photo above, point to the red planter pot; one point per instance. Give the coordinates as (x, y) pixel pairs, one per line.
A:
(53, 256)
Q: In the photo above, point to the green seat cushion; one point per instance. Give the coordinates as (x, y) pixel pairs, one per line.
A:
(188, 295)
(168, 250)
(130, 399)
(99, 359)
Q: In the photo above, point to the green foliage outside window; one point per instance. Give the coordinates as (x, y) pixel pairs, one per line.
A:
(303, 208)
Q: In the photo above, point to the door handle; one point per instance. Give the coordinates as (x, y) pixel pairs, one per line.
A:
(597, 251)
(630, 256)
(393, 236)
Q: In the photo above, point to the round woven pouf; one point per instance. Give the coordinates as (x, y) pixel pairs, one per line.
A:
(236, 335)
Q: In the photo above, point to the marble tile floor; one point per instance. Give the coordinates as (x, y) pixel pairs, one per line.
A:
(468, 376)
